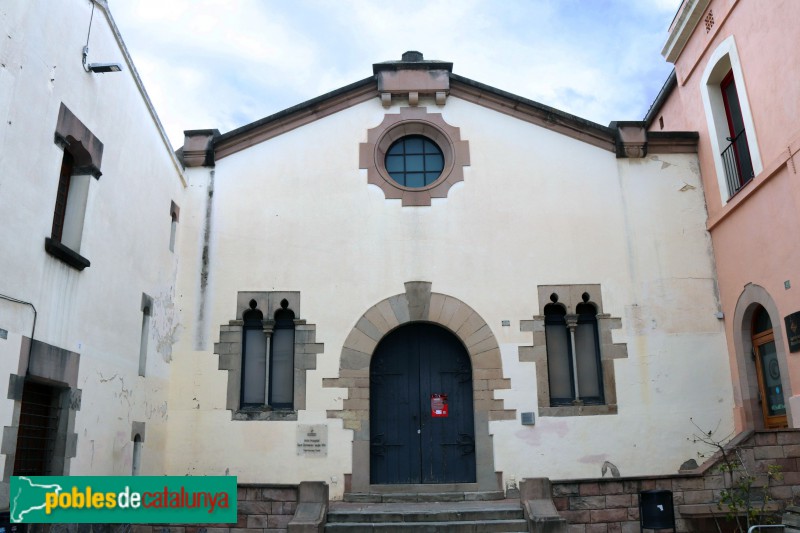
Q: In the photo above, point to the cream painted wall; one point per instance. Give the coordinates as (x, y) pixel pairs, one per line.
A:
(535, 208)
(95, 312)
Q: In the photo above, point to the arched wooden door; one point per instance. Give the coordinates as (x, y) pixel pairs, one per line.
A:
(416, 371)
(770, 388)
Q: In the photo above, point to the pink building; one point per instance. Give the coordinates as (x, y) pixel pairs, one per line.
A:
(737, 83)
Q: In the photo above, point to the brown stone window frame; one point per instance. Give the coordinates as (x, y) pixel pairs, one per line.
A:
(83, 154)
(414, 121)
(570, 296)
(229, 349)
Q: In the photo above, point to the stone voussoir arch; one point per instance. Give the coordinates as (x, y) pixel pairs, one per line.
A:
(419, 304)
(747, 396)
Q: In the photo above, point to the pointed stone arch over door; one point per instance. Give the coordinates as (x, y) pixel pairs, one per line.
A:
(419, 304)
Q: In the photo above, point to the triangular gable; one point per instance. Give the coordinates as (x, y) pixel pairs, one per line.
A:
(413, 77)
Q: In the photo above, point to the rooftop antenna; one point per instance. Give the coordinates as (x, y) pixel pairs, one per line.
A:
(97, 68)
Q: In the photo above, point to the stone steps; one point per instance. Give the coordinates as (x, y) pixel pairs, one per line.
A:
(410, 497)
(459, 516)
(791, 519)
(478, 526)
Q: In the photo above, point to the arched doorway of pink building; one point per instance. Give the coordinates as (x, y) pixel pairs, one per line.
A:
(761, 360)
(768, 372)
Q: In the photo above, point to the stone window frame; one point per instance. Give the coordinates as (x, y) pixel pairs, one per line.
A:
(54, 366)
(725, 59)
(414, 121)
(73, 137)
(419, 304)
(229, 350)
(570, 296)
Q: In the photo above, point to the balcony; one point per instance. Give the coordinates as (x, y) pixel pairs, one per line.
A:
(737, 163)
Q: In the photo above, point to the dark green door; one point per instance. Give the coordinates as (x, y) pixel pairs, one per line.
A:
(414, 370)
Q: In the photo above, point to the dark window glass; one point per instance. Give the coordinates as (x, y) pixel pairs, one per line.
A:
(761, 321)
(414, 144)
(281, 371)
(773, 388)
(414, 161)
(559, 355)
(394, 163)
(738, 138)
(434, 161)
(587, 352)
(254, 364)
(67, 165)
(567, 362)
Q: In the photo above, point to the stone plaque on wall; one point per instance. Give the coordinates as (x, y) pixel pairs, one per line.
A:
(312, 440)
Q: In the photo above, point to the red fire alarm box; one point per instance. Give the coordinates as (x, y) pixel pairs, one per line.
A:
(438, 405)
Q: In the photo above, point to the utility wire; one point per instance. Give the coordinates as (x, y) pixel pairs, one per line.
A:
(33, 329)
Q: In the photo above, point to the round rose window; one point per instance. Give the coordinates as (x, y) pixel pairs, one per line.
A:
(414, 161)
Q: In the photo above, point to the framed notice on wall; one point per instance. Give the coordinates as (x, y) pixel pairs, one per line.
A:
(793, 331)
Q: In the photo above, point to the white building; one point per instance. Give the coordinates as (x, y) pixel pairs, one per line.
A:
(353, 264)
(90, 187)
(424, 231)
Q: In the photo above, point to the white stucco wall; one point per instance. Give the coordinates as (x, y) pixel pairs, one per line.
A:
(295, 213)
(96, 312)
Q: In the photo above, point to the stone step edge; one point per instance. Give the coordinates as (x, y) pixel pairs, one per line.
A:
(444, 515)
(425, 497)
(350, 526)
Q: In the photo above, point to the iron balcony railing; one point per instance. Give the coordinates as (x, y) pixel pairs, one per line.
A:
(736, 160)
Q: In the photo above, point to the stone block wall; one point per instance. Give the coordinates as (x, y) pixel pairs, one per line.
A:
(611, 505)
(262, 509)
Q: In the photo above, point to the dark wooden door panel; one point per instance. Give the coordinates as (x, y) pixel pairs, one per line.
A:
(408, 445)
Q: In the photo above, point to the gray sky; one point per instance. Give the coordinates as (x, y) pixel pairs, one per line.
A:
(225, 63)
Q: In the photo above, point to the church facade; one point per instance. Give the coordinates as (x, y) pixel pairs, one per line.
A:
(418, 238)
(415, 282)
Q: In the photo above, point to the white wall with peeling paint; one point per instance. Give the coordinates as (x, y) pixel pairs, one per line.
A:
(95, 312)
(536, 207)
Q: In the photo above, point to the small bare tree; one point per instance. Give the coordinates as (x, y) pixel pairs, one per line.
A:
(743, 500)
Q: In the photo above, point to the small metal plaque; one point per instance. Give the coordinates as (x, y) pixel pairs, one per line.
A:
(528, 419)
(312, 440)
(506, 323)
(3, 333)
